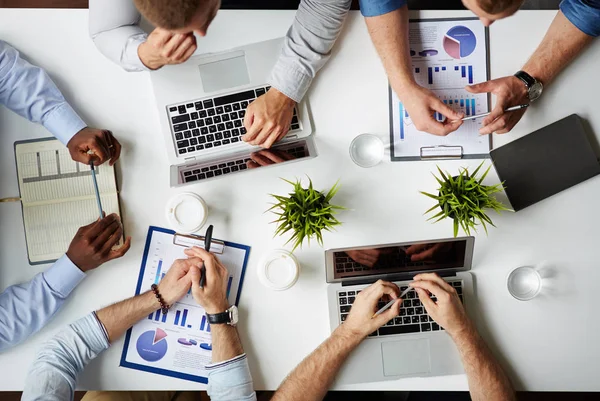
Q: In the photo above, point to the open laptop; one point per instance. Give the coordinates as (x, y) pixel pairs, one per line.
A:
(412, 344)
(202, 104)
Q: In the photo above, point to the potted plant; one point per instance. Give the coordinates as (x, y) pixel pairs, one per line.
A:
(305, 212)
(465, 199)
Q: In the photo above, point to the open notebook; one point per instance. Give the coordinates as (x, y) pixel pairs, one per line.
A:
(58, 197)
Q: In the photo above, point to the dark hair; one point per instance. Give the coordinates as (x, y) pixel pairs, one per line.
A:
(498, 6)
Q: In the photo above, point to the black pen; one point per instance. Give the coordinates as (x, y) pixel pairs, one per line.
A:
(207, 241)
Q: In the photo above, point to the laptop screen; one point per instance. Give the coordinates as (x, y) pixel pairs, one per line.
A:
(391, 259)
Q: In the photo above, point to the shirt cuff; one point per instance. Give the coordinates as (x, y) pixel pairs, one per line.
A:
(130, 58)
(63, 122)
(372, 8)
(63, 276)
(231, 378)
(94, 333)
(583, 15)
(290, 81)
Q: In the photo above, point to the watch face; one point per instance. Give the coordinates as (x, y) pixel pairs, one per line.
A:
(535, 91)
(233, 315)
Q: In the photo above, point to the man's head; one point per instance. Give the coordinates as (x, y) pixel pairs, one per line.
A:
(489, 11)
(180, 16)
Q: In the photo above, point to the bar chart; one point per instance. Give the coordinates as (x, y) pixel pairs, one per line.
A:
(449, 76)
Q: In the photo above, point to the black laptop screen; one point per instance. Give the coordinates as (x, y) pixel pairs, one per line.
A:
(400, 259)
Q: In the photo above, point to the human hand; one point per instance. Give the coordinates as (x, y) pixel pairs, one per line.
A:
(268, 118)
(360, 321)
(178, 280)
(99, 141)
(509, 91)
(93, 243)
(419, 252)
(213, 296)
(448, 311)
(421, 104)
(267, 157)
(165, 47)
(366, 257)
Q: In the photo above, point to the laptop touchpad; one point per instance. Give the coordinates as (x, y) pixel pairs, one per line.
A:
(408, 357)
(228, 72)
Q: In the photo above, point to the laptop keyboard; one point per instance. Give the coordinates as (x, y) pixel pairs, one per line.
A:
(214, 122)
(413, 317)
(204, 171)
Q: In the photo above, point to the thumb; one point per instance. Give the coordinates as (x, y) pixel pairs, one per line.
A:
(446, 110)
(482, 87)
(390, 313)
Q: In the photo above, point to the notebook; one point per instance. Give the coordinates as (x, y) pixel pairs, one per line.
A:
(545, 162)
(57, 196)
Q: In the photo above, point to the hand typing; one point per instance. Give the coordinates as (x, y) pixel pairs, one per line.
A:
(421, 103)
(97, 145)
(268, 118)
(447, 311)
(213, 296)
(267, 157)
(165, 47)
(92, 245)
(360, 321)
(509, 91)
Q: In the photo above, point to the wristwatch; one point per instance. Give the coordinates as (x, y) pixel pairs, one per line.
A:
(534, 87)
(230, 316)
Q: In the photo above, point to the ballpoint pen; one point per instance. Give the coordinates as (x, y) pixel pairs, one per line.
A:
(207, 241)
(513, 108)
(389, 304)
(96, 188)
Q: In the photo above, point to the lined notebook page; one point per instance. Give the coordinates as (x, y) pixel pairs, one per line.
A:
(58, 196)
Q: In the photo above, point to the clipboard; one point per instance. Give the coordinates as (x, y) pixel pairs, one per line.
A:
(189, 240)
(450, 54)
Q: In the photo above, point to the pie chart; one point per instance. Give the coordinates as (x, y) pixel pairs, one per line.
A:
(459, 42)
(152, 345)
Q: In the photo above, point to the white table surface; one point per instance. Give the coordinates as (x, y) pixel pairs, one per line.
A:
(545, 344)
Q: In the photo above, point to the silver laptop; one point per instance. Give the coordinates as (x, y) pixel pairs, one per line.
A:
(412, 344)
(202, 104)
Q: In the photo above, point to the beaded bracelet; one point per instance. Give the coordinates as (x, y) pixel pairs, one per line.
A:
(164, 308)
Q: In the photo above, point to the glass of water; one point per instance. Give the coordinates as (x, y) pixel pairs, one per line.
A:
(367, 150)
(524, 283)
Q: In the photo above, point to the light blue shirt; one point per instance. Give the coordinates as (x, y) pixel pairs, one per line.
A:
(28, 91)
(53, 375)
(26, 308)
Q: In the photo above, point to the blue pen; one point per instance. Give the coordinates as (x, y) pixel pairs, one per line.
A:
(96, 189)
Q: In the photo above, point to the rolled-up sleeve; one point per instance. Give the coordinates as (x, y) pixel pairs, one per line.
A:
(374, 8)
(584, 14)
(307, 45)
(230, 380)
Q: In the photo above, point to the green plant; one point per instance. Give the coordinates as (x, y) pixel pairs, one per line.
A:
(305, 212)
(464, 199)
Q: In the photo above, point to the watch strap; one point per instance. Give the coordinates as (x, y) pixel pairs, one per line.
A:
(218, 318)
(526, 78)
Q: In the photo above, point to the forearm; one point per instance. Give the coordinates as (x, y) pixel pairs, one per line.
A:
(487, 380)
(118, 318)
(389, 33)
(113, 26)
(226, 343)
(307, 45)
(312, 378)
(562, 43)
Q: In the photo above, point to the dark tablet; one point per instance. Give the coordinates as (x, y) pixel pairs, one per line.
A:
(545, 162)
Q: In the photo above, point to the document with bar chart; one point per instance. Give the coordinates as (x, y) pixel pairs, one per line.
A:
(179, 343)
(446, 55)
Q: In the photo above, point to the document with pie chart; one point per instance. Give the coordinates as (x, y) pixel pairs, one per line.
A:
(446, 55)
(179, 343)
